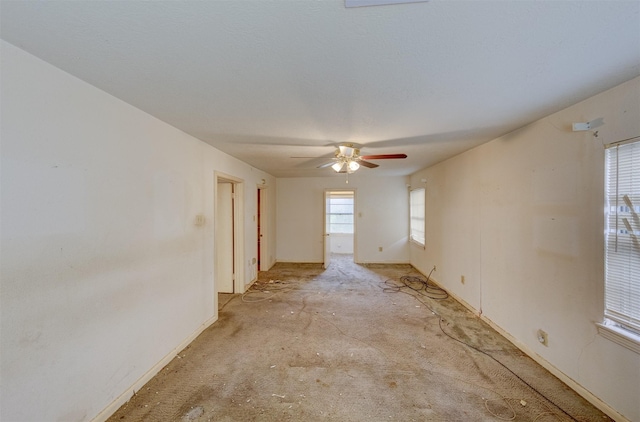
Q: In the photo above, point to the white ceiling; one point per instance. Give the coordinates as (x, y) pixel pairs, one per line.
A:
(269, 80)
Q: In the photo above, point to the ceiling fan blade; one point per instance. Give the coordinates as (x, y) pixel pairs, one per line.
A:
(367, 164)
(325, 165)
(383, 156)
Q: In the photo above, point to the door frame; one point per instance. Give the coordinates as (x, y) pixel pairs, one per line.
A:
(238, 232)
(265, 261)
(325, 225)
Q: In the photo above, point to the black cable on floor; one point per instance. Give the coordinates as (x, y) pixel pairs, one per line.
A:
(411, 282)
(419, 285)
(503, 365)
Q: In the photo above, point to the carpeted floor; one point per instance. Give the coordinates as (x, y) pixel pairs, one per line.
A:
(351, 343)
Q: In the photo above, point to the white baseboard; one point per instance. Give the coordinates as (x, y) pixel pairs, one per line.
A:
(390, 262)
(251, 283)
(128, 393)
(286, 261)
(575, 386)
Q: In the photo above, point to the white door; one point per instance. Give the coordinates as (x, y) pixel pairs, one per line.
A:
(224, 238)
(263, 240)
(327, 231)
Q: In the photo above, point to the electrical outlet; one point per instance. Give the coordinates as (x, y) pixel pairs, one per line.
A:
(379, 248)
(543, 338)
(200, 220)
(462, 279)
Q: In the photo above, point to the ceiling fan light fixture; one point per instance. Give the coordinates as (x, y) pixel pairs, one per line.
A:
(337, 166)
(346, 151)
(347, 159)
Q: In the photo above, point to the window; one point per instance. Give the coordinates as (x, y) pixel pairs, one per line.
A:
(622, 241)
(340, 212)
(416, 215)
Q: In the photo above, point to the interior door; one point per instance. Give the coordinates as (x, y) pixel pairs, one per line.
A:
(224, 238)
(259, 222)
(327, 231)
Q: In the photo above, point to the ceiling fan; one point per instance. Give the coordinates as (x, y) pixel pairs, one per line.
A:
(348, 159)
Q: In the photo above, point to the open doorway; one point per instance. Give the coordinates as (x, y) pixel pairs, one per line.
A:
(339, 224)
(229, 238)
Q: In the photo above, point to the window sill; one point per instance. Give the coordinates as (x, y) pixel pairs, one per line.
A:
(620, 336)
(418, 244)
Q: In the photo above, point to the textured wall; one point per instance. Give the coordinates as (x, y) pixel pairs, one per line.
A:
(99, 243)
(521, 218)
(382, 217)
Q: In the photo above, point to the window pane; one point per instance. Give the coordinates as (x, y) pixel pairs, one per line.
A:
(340, 213)
(341, 228)
(341, 209)
(341, 218)
(622, 235)
(341, 201)
(417, 215)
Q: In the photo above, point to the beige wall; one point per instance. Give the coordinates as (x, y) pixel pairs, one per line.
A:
(105, 274)
(382, 217)
(521, 218)
(98, 239)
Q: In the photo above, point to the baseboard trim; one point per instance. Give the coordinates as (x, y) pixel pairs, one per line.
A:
(251, 283)
(357, 262)
(574, 385)
(392, 262)
(128, 393)
(299, 262)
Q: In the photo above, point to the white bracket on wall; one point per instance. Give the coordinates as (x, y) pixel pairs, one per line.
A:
(588, 126)
(582, 127)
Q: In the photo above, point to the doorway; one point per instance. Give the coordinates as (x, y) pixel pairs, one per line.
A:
(263, 240)
(228, 232)
(339, 224)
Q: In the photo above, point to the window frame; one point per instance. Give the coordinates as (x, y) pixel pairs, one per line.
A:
(618, 325)
(418, 241)
(341, 195)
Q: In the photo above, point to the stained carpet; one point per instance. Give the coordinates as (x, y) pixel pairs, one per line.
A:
(351, 343)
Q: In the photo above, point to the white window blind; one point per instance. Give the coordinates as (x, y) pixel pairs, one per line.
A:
(622, 234)
(417, 215)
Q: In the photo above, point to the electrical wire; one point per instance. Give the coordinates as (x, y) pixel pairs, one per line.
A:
(408, 286)
(510, 418)
(418, 288)
(440, 320)
(418, 285)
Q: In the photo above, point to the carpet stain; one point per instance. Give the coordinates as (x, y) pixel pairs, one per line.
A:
(309, 344)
